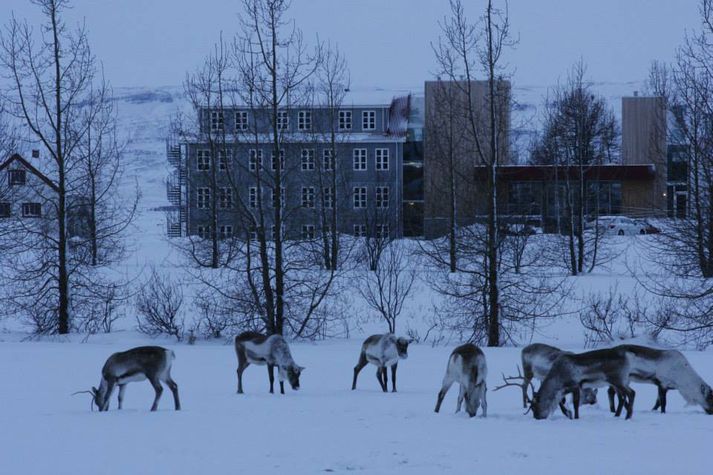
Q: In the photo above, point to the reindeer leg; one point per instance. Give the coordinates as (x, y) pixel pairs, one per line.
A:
(360, 365)
(243, 363)
(447, 383)
(271, 377)
(174, 390)
(385, 378)
(282, 387)
(563, 408)
(483, 399)
(393, 377)
(159, 390)
(461, 396)
(610, 395)
(630, 407)
(109, 390)
(621, 396)
(122, 387)
(379, 377)
(662, 398)
(525, 397)
(575, 401)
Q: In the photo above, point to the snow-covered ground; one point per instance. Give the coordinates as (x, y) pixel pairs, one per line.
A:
(323, 428)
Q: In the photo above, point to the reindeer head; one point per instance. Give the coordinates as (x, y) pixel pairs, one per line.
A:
(402, 347)
(589, 396)
(543, 403)
(707, 393)
(293, 376)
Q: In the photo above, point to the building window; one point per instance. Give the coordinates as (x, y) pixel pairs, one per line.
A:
(308, 196)
(17, 177)
(382, 197)
(359, 197)
(252, 197)
(255, 159)
(204, 232)
(308, 231)
(31, 210)
(203, 160)
(225, 158)
(241, 120)
(382, 231)
(252, 234)
(328, 197)
(327, 160)
(304, 120)
(283, 120)
(274, 197)
(382, 159)
(225, 198)
(225, 231)
(307, 159)
(359, 156)
(216, 121)
(360, 230)
(368, 120)
(345, 120)
(274, 232)
(282, 161)
(203, 198)
(5, 210)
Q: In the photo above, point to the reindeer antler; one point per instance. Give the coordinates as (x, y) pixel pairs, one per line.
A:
(91, 402)
(510, 381)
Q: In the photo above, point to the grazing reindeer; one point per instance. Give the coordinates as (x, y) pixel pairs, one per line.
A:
(667, 369)
(259, 349)
(382, 351)
(467, 367)
(537, 359)
(570, 372)
(145, 362)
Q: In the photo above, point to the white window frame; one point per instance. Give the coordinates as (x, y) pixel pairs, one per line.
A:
(217, 121)
(225, 231)
(252, 197)
(304, 120)
(282, 196)
(283, 120)
(308, 159)
(360, 158)
(254, 159)
(360, 197)
(381, 158)
(28, 208)
(382, 197)
(308, 197)
(368, 120)
(225, 159)
(382, 231)
(309, 232)
(225, 198)
(282, 160)
(203, 160)
(203, 198)
(327, 160)
(345, 120)
(17, 172)
(328, 198)
(203, 231)
(359, 230)
(241, 120)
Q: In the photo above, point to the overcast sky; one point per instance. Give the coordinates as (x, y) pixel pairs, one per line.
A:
(387, 42)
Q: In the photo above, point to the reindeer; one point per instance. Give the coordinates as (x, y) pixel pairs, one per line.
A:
(667, 369)
(382, 351)
(537, 359)
(273, 350)
(570, 372)
(138, 364)
(466, 366)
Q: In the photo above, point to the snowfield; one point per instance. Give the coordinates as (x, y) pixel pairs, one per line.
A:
(323, 428)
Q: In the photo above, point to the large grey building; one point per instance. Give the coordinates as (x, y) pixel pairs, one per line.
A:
(368, 169)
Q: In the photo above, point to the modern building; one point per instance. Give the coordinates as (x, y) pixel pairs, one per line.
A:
(375, 147)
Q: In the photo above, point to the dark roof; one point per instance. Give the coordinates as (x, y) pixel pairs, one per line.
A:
(17, 158)
(552, 172)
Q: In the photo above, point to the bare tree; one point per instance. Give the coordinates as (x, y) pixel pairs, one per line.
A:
(158, 304)
(386, 289)
(580, 134)
(49, 73)
(463, 50)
